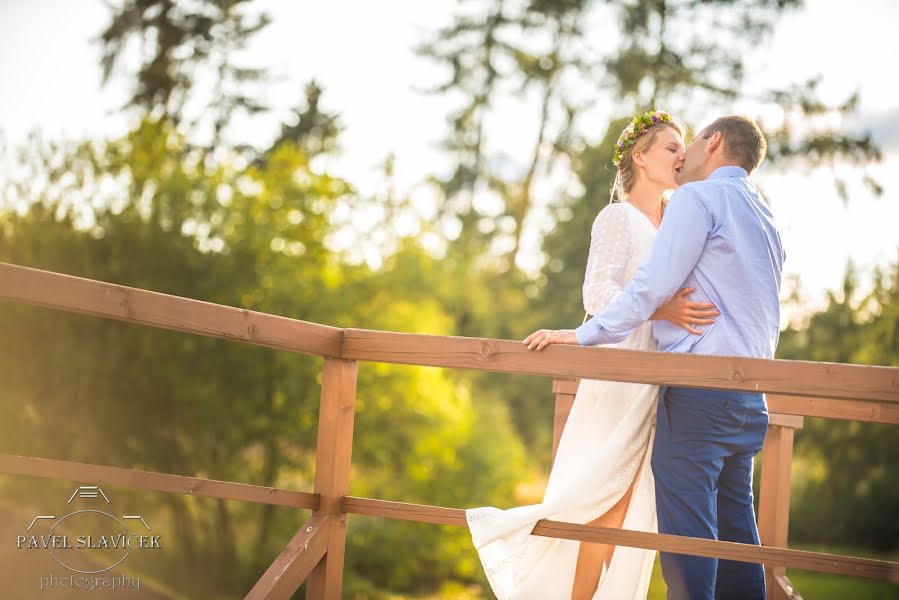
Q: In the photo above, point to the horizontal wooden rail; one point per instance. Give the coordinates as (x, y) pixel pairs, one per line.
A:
(159, 482)
(800, 559)
(132, 305)
(782, 420)
(850, 410)
(825, 380)
(830, 408)
(797, 378)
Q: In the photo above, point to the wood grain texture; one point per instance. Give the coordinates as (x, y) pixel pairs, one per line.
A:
(826, 380)
(812, 561)
(774, 495)
(829, 408)
(564, 402)
(159, 482)
(295, 562)
(800, 378)
(565, 386)
(781, 420)
(132, 305)
(334, 451)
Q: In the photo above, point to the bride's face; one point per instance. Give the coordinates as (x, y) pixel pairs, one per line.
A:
(664, 158)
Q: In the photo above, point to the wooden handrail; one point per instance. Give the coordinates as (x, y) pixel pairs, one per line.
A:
(800, 378)
(785, 404)
(803, 378)
(158, 482)
(132, 305)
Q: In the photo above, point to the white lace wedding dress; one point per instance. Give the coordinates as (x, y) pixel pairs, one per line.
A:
(606, 445)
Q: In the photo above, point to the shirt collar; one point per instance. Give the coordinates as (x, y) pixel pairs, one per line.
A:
(728, 171)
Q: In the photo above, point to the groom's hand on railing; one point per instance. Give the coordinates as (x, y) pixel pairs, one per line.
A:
(544, 337)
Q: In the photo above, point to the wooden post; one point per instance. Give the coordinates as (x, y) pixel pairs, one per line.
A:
(565, 391)
(332, 472)
(774, 497)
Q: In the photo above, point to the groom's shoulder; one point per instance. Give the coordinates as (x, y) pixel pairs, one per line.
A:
(701, 191)
(701, 187)
(695, 191)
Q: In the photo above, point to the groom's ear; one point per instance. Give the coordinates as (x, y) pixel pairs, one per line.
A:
(716, 141)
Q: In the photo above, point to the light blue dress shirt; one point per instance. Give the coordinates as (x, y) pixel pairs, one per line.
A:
(718, 237)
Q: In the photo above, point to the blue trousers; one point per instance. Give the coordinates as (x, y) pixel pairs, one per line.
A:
(702, 464)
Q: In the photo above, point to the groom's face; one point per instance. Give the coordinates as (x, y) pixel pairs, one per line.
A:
(695, 160)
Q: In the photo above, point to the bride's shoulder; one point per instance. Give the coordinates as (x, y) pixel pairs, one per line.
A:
(615, 207)
(614, 212)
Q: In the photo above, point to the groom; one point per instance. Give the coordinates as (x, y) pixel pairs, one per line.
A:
(719, 238)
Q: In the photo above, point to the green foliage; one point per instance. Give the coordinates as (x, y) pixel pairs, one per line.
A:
(847, 487)
(251, 236)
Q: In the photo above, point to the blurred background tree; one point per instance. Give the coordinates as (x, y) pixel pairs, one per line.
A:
(848, 463)
(182, 206)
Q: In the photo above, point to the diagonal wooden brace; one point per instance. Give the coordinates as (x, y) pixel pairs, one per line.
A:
(296, 561)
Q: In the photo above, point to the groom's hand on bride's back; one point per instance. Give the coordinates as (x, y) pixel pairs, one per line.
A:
(542, 338)
(685, 313)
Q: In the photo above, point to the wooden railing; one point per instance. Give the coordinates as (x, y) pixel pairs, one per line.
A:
(316, 553)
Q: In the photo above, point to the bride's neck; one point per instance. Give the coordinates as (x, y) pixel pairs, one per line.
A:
(648, 198)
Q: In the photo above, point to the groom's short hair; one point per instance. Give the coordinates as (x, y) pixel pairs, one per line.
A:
(744, 141)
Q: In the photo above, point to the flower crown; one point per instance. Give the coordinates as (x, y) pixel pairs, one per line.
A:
(637, 127)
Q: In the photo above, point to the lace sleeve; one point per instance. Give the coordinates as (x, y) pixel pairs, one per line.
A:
(610, 249)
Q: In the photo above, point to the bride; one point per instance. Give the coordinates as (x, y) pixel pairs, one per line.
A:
(601, 474)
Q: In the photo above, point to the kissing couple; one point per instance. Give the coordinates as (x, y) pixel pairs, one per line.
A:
(698, 273)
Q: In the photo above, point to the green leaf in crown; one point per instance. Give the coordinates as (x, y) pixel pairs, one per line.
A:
(638, 126)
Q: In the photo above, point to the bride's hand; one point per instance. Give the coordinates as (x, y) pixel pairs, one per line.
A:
(544, 337)
(686, 314)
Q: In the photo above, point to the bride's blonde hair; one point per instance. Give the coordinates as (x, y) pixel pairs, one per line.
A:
(626, 173)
